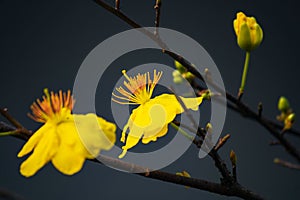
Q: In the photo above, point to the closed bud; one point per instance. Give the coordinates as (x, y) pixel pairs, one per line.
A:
(209, 128)
(292, 117)
(188, 76)
(283, 104)
(248, 31)
(179, 67)
(177, 79)
(176, 73)
(233, 158)
(289, 121)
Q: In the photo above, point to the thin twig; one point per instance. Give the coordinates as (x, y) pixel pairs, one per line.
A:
(19, 132)
(13, 121)
(234, 173)
(221, 166)
(219, 163)
(222, 141)
(157, 15)
(286, 164)
(189, 128)
(186, 111)
(117, 4)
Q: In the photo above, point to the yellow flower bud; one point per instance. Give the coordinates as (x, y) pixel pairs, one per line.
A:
(179, 66)
(188, 76)
(176, 73)
(248, 31)
(233, 158)
(292, 117)
(283, 104)
(177, 80)
(209, 128)
(289, 121)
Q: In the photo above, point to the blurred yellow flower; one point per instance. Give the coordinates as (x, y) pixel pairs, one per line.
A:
(183, 173)
(150, 119)
(58, 140)
(248, 31)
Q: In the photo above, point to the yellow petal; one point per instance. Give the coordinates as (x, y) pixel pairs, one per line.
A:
(82, 139)
(33, 140)
(140, 115)
(43, 152)
(132, 139)
(68, 160)
(67, 133)
(151, 137)
(153, 114)
(258, 36)
(109, 130)
(95, 133)
(244, 38)
(169, 102)
(192, 103)
(150, 120)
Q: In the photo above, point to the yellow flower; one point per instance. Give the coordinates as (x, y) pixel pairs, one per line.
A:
(150, 119)
(248, 31)
(58, 140)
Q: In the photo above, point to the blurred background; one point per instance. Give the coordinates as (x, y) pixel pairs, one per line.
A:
(42, 44)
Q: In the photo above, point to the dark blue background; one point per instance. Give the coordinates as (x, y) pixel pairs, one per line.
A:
(42, 44)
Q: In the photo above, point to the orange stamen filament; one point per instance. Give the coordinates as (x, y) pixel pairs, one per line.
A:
(51, 105)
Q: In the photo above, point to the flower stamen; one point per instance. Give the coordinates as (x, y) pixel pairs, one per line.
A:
(140, 88)
(51, 104)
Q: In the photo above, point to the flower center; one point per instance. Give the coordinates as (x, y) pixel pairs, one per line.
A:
(139, 88)
(52, 107)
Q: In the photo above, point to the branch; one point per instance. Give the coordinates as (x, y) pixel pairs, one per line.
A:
(219, 163)
(218, 188)
(248, 113)
(240, 107)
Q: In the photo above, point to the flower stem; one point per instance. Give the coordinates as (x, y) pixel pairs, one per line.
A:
(244, 77)
(183, 132)
(8, 133)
